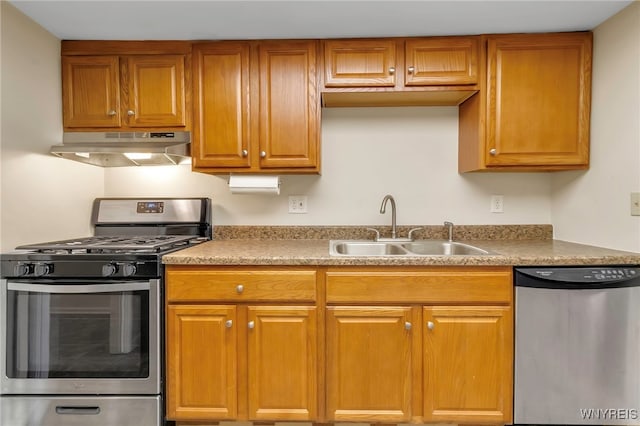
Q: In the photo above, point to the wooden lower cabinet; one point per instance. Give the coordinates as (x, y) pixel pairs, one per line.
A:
(467, 364)
(340, 344)
(211, 349)
(369, 364)
(201, 362)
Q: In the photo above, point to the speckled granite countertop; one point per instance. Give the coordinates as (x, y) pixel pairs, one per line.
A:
(513, 245)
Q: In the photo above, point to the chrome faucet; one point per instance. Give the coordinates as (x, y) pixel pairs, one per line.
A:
(449, 226)
(393, 213)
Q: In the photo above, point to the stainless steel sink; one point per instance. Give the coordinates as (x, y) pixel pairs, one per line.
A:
(413, 248)
(438, 247)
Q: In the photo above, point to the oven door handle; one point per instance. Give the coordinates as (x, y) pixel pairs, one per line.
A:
(78, 288)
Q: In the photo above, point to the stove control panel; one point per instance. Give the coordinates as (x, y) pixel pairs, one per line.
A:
(94, 269)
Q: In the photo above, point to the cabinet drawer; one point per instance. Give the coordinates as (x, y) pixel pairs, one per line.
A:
(450, 286)
(192, 284)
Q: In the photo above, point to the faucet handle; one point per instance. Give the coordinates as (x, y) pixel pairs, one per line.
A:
(411, 231)
(376, 231)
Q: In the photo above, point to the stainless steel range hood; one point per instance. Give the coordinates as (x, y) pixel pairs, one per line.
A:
(118, 149)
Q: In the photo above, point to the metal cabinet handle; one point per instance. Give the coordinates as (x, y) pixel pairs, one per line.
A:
(251, 325)
(239, 288)
(392, 70)
(228, 323)
(411, 70)
(263, 154)
(493, 151)
(430, 325)
(112, 112)
(407, 325)
(131, 112)
(245, 152)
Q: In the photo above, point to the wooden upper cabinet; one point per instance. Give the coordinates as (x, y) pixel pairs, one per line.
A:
(400, 71)
(126, 85)
(539, 99)
(156, 94)
(357, 63)
(91, 91)
(289, 105)
(257, 107)
(441, 61)
(221, 95)
(533, 112)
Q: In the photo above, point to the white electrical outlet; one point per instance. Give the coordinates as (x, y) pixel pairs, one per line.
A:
(635, 204)
(497, 204)
(297, 204)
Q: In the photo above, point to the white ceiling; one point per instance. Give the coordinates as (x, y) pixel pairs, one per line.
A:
(212, 20)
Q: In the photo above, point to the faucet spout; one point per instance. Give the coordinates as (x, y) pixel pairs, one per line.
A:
(393, 213)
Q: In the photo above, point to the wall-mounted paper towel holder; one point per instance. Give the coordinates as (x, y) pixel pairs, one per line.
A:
(254, 184)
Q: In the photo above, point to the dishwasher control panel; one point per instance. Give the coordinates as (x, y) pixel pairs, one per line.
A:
(587, 276)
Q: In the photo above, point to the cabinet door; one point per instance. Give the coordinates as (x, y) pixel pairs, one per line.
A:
(441, 61)
(156, 96)
(538, 99)
(201, 362)
(282, 367)
(221, 92)
(91, 91)
(360, 63)
(369, 364)
(468, 354)
(289, 104)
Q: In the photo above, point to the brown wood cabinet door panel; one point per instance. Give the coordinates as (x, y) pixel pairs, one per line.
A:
(467, 364)
(221, 96)
(441, 61)
(368, 364)
(538, 99)
(91, 91)
(201, 362)
(360, 63)
(156, 96)
(288, 117)
(282, 363)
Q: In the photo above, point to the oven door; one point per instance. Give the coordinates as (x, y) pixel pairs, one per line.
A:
(79, 338)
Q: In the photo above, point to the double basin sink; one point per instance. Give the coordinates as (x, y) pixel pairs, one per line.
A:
(403, 248)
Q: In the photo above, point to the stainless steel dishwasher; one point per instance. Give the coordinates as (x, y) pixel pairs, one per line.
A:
(577, 345)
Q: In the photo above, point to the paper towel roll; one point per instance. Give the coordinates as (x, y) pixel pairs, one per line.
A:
(254, 184)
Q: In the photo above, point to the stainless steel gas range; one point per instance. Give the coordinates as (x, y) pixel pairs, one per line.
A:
(81, 320)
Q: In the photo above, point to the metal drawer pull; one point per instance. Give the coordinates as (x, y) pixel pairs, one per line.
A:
(131, 112)
(430, 325)
(111, 113)
(239, 288)
(392, 70)
(245, 152)
(251, 325)
(493, 151)
(411, 70)
(228, 323)
(92, 411)
(407, 325)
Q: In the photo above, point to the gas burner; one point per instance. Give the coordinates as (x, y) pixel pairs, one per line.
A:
(113, 244)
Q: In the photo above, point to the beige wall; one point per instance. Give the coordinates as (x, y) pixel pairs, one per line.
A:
(366, 153)
(41, 197)
(593, 207)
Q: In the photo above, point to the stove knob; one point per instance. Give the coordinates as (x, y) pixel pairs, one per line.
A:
(22, 269)
(129, 269)
(42, 269)
(109, 269)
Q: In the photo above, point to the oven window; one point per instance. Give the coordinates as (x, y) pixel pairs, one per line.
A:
(79, 335)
